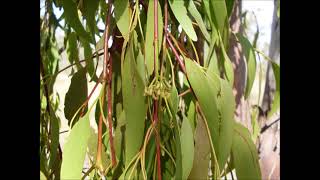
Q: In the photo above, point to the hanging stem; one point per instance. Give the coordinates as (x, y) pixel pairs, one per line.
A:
(107, 72)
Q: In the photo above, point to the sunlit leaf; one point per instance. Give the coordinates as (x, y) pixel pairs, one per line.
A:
(251, 63)
(149, 58)
(245, 155)
(75, 148)
(180, 12)
(197, 16)
(122, 17)
(276, 100)
(134, 104)
(72, 18)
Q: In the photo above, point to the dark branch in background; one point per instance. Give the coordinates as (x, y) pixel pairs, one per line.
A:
(264, 128)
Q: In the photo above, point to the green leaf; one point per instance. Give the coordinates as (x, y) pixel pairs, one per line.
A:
(72, 48)
(226, 104)
(191, 114)
(276, 100)
(122, 17)
(229, 5)
(201, 152)
(213, 67)
(227, 65)
(197, 16)
(245, 155)
(220, 18)
(134, 104)
(148, 55)
(54, 139)
(89, 61)
(207, 97)
(92, 149)
(76, 95)
(174, 99)
(187, 147)
(141, 67)
(180, 12)
(72, 18)
(74, 150)
(89, 12)
(251, 63)
(254, 123)
(42, 176)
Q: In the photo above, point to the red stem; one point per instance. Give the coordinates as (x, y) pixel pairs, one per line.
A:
(155, 121)
(114, 161)
(181, 64)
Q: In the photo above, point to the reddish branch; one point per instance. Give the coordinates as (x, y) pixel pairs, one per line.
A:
(181, 64)
(107, 74)
(155, 112)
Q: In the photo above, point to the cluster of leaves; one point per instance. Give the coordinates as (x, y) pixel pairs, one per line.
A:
(166, 107)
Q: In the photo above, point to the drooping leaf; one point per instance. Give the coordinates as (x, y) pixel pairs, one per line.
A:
(149, 58)
(191, 114)
(220, 18)
(187, 147)
(72, 49)
(76, 95)
(229, 5)
(251, 62)
(226, 102)
(72, 18)
(75, 148)
(245, 155)
(213, 67)
(54, 139)
(141, 67)
(276, 100)
(134, 104)
(92, 149)
(197, 16)
(206, 95)
(122, 17)
(201, 152)
(89, 61)
(227, 65)
(180, 12)
(89, 11)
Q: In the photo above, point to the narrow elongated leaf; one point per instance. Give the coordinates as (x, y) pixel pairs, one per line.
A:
(75, 149)
(149, 60)
(187, 147)
(89, 61)
(220, 18)
(134, 104)
(76, 95)
(245, 155)
(89, 11)
(226, 104)
(122, 17)
(197, 16)
(251, 63)
(227, 65)
(201, 152)
(180, 12)
(54, 139)
(213, 67)
(207, 97)
(72, 49)
(72, 18)
(276, 100)
(141, 67)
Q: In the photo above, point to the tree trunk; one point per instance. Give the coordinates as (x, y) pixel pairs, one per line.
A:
(270, 139)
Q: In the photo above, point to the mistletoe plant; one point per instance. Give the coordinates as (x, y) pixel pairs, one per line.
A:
(165, 107)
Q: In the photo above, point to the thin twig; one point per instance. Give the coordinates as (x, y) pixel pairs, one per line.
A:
(185, 92)
(88, 172)
(264, 128)
(181, 64)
